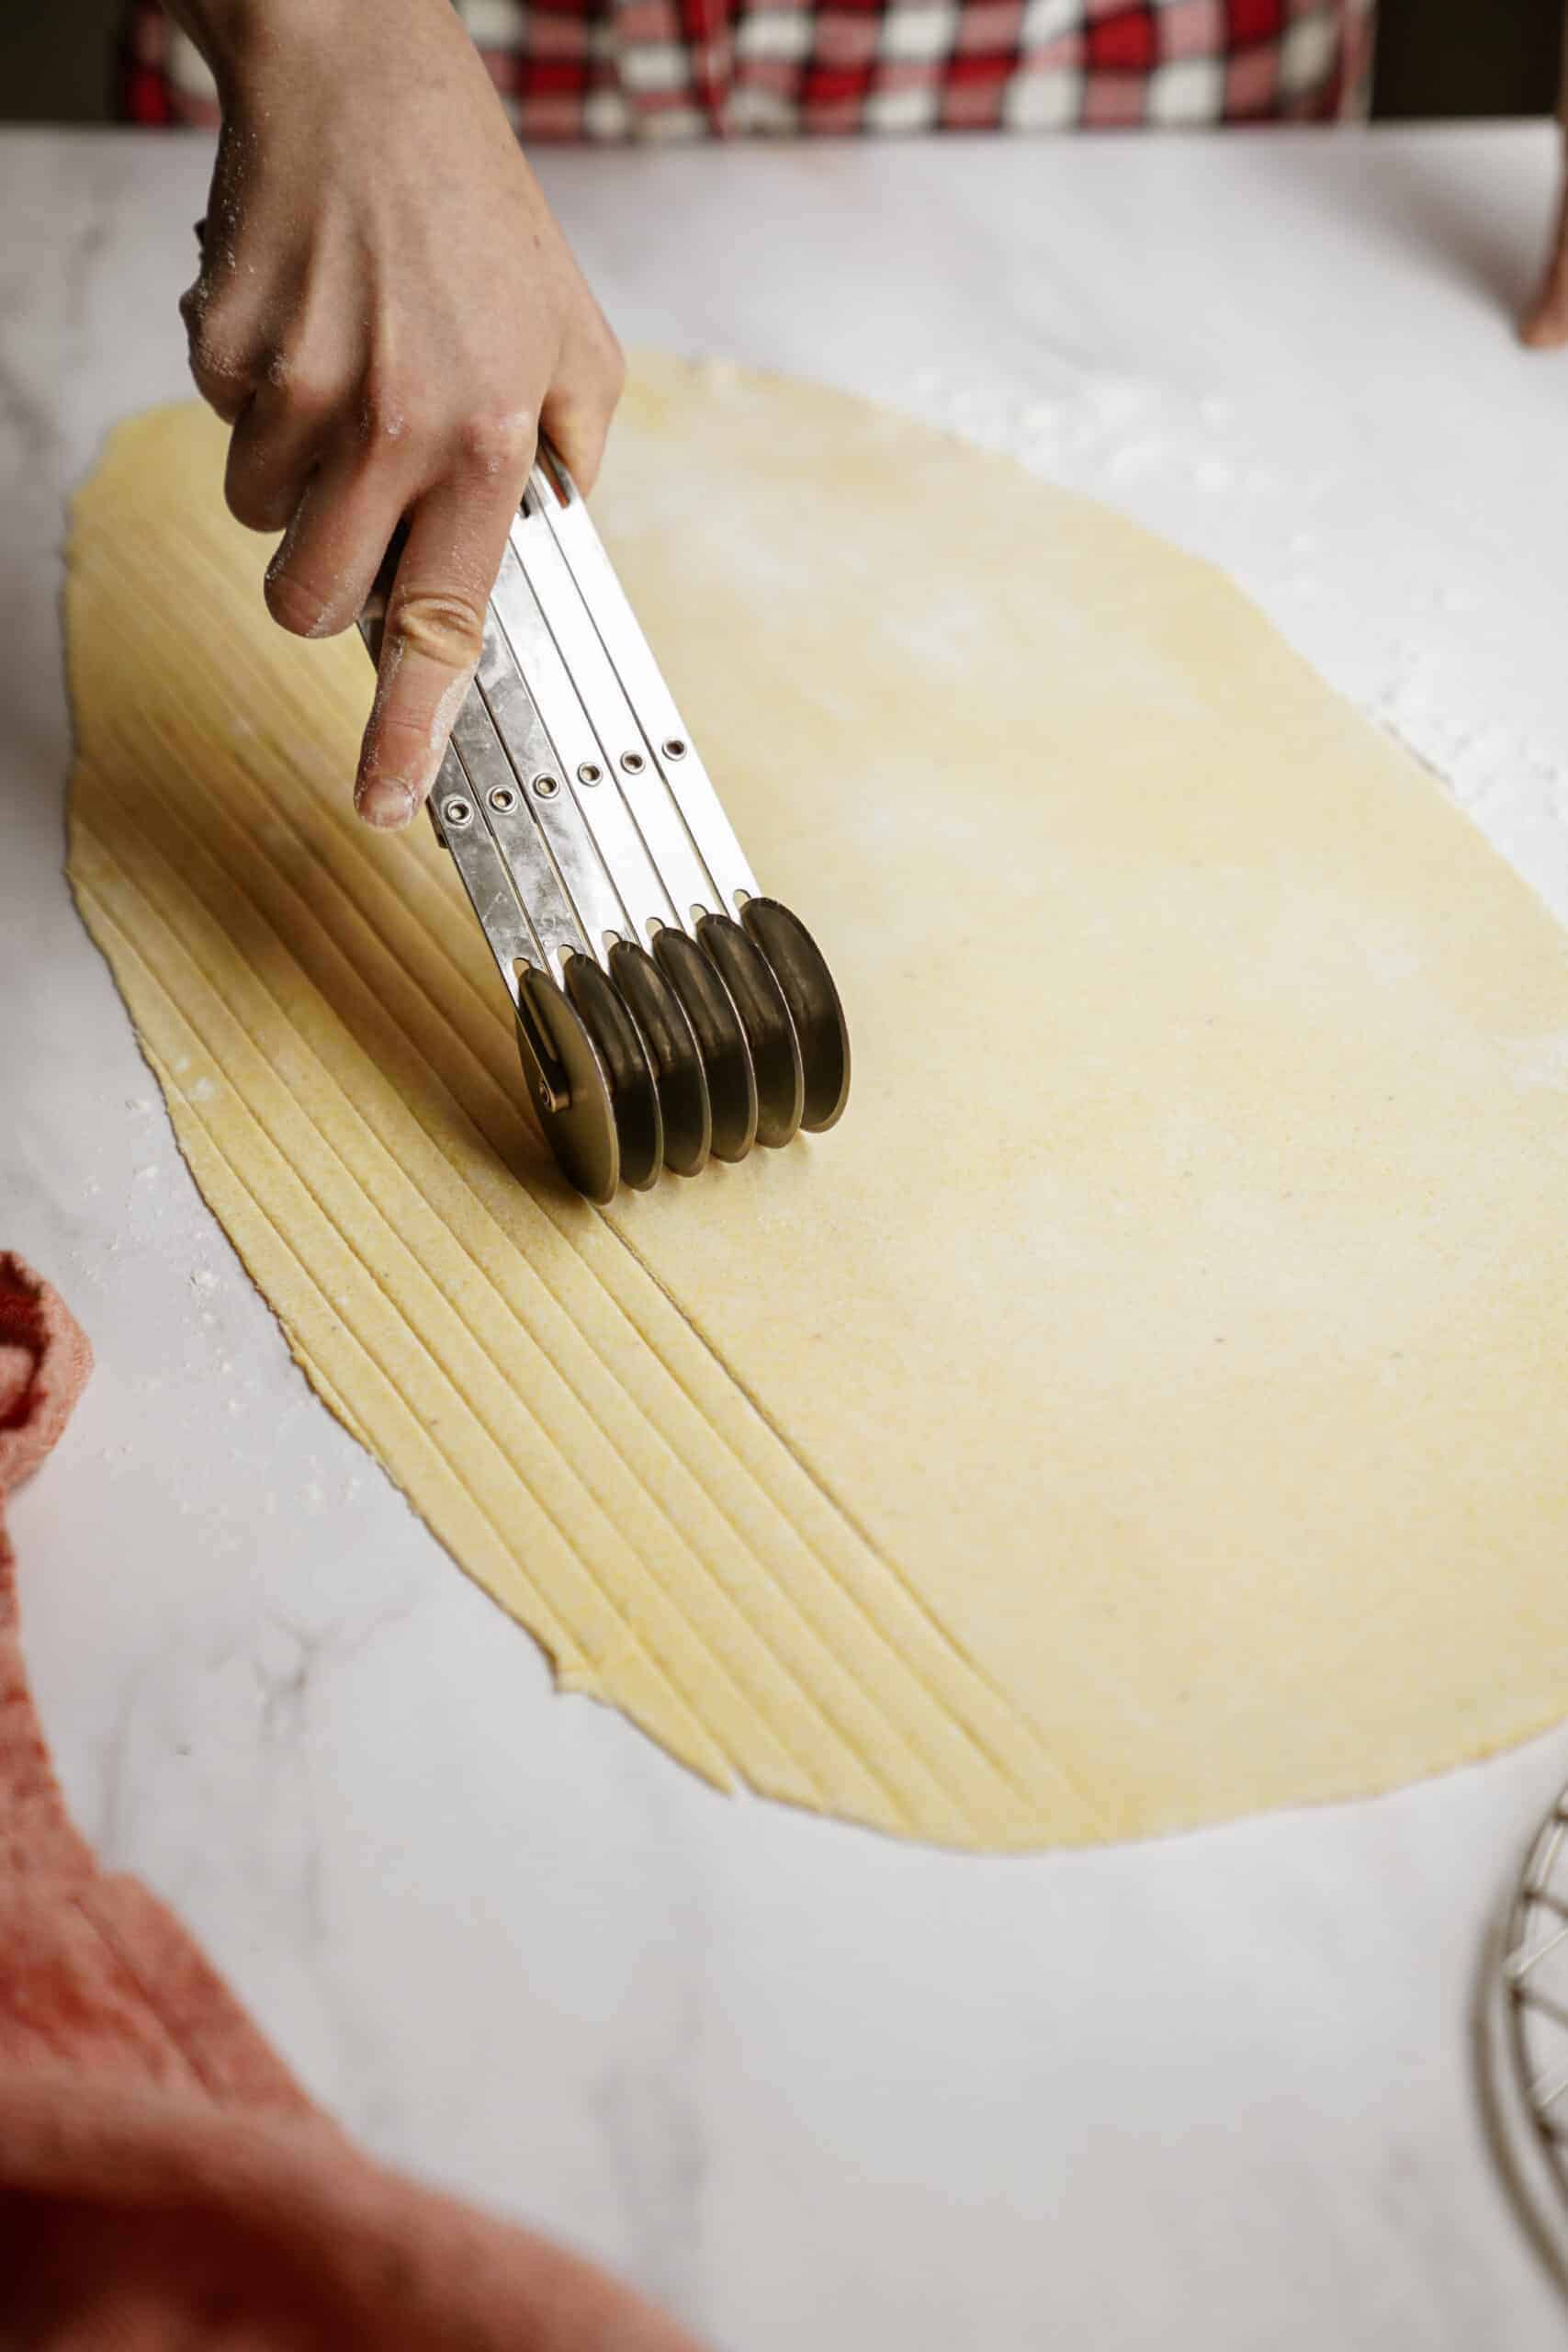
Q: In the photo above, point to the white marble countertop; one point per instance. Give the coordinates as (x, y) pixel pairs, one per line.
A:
(814, 2088)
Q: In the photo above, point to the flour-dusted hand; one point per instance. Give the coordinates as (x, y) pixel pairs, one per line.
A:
(1545, 321)
(386, 314)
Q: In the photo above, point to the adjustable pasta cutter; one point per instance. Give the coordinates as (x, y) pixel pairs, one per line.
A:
(665, 1011)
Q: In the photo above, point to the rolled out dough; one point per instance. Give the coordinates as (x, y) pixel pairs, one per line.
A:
(1150, 1403)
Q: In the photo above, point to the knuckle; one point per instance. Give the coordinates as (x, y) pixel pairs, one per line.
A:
(386, 413)
(220, 346)
(443, 623)
(614, 372)
(309, 389)
(497, 441)
(222, 367)
(198, 301)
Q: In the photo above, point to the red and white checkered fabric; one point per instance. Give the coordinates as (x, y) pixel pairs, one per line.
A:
(695, 69)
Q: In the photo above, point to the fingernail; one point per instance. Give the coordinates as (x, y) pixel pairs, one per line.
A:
(385, 804)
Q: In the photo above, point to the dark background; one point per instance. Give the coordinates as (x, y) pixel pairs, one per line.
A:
(1435, 58)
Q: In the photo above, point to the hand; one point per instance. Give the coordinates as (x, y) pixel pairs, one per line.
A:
(1544, 326)
(387, 313)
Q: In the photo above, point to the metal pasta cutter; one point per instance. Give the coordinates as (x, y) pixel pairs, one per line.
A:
(665, 1009)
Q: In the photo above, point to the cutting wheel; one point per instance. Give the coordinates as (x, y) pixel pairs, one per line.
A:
(726, 1057)
(764, 1016)
(801, 971)
(672, 1049)
(634, 1095)
(582, 1131)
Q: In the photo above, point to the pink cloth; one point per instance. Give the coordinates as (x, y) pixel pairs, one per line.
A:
(165, 2183)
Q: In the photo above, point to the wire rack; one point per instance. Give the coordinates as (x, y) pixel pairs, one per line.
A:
(1533, 1983)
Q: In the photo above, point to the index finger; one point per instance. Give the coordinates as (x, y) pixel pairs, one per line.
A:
(430, 644)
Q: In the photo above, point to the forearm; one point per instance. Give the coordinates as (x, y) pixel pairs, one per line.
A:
(239, 37)
(1545, 319)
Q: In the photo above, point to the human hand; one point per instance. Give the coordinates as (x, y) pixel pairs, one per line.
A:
(1544, 326)
(386, 314)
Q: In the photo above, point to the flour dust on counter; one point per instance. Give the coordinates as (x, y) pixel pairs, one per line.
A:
(1149, 1404)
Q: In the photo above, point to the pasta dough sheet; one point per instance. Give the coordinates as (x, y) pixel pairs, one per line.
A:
(1149, 1404)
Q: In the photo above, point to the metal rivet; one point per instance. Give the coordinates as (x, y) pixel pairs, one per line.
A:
(544, 784)
(588, 772)
(632, 761)
(674, 749)
(504, 797)
(457, 812)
